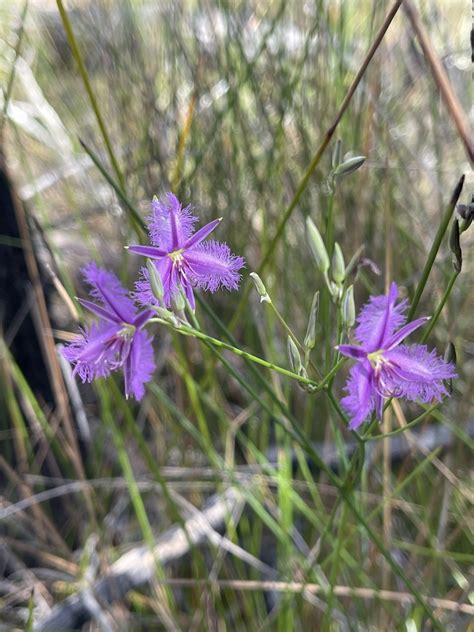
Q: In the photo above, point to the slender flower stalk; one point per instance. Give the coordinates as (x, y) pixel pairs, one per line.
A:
(181, 256)
(191, 331)
(386, 368)
(117, 340)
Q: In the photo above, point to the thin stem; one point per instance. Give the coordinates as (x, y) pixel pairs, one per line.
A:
(439, 309)
(289, 331)
(410, 425)
(190, 331)
(443, 227)
(326, 306)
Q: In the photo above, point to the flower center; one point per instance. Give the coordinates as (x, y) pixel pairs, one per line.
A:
(127, 330)
(176, 256)
(375, 358)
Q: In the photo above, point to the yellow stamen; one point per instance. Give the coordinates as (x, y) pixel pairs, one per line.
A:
(176, 256)
(127, 330)
(375, 357)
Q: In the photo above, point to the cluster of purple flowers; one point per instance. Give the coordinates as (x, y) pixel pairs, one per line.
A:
(384, 367)
(183, 260)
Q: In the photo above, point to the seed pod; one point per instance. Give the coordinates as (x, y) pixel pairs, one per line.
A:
(317, 246)
(349, 166)
(450, 356)
(294, 356)
(260, 287)
(155, 280)
(450, 353)
(310, 338)
(338, 265)
(348, 308)
(455, 246)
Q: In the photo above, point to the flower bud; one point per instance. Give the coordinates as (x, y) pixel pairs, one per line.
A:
(317, 246)
(349, 166)
(455, 246)
(309, 388)
(310, 338)
(178, 301)
(336, 154)
(155, 280)
(294, 356)
(166, 315)
(260, 287)
(348, 308)
(338, 265)
(466, 212)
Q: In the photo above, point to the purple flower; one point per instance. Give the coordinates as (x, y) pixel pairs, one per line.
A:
(385, 368)
(117, 339)
(181, 257)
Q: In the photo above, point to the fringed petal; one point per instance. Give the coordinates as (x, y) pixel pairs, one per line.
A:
(161, 228)
(211, 265)
(360, 400)
(92, 352)
(415, 373)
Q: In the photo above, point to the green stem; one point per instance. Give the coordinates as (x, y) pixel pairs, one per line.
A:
(443, 227)
(289, 331)
(439, 309)
(410, 425)
(190, 331)
(285, 326)
(326, 298)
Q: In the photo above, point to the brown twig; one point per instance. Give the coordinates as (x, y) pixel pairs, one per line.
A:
(441, 79)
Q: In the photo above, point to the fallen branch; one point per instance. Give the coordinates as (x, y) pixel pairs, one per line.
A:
(138, 566)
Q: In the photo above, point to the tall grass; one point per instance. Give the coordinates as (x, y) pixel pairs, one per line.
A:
(237, 107)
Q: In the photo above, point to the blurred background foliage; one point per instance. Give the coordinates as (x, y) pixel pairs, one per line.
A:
(225, 103)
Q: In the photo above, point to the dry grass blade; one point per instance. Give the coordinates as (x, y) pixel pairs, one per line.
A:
(402, 598)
